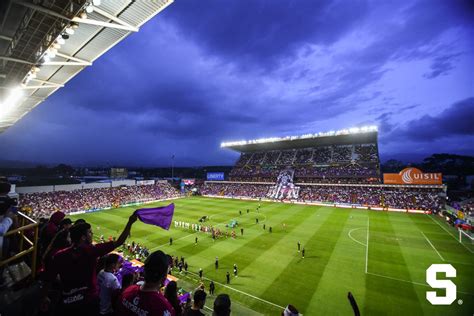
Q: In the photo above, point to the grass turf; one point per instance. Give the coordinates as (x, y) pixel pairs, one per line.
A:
(386, 278)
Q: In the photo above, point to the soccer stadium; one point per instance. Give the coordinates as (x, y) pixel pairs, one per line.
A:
(310, 224)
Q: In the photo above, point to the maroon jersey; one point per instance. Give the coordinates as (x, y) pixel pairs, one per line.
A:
(134, 301)
(76, 267)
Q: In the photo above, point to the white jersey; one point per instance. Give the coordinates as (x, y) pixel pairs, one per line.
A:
(108, 283)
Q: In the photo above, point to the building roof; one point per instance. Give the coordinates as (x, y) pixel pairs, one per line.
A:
(305, 141)
(30, 69)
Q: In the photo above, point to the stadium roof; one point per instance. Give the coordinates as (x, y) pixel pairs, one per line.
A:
(44, 44)
(342, 137)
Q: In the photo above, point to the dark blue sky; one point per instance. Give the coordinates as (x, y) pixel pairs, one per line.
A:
(202, 72)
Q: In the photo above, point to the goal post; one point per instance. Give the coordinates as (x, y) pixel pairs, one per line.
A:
(465, 238)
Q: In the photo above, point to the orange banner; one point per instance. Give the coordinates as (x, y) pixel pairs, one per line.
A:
(412, 176)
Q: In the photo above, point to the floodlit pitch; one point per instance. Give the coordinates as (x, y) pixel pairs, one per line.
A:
(380, 257)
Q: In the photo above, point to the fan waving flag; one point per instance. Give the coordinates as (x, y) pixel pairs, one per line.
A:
(159, 216)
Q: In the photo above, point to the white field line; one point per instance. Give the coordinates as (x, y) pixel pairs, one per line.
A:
(367, 247)
(406, 281)
(471, 251)
(242, 292)
(432, 246)
(350, 236)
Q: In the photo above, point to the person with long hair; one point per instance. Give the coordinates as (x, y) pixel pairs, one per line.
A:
(171, 294)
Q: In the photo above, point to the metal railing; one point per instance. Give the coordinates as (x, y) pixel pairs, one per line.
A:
(25, 223)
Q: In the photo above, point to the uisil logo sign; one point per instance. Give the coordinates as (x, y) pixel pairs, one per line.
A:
(448, 285)
(412, 176)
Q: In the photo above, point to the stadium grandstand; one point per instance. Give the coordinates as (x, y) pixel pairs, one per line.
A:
(347, 156)
(340, 168)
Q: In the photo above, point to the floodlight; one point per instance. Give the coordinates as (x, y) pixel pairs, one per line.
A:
(69, 30)
(51, 52)
(60, 40)
(96, 2)
(10, 102)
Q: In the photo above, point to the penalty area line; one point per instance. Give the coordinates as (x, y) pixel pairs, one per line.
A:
(350, 236)
(432, 246)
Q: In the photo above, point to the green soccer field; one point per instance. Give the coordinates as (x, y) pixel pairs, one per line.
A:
(381, 257)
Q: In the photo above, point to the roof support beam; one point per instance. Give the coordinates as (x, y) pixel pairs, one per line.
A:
(115, 19)
(41, 87)
(77, 19)
(84, 62)
(63, 63)
(41, 9)
(51, 63)
(51, 84)
(16, 60)
(5, 38)
(105, 24)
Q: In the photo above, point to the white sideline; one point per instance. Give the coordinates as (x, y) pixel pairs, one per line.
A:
(242, 292)
(432, 246)
(367, 246)
(350, 236)
(450, 234)
(406, 281)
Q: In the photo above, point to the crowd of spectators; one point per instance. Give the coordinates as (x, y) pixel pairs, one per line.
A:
(43, 204)
(366, 152)
(83, 278)
(466, 206)
(341, 173)
(314, 155)
(342, 153)
(321, 164)
(350, 170)
(236, 189)
(377, 196)
(80, 277)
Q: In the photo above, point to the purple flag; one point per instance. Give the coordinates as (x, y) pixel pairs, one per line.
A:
(159, 216)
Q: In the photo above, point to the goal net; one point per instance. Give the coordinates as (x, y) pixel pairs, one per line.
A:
(466, 238)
